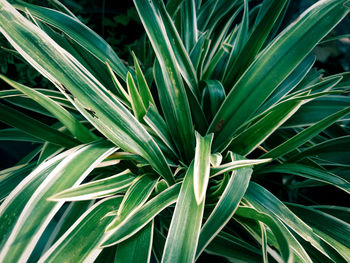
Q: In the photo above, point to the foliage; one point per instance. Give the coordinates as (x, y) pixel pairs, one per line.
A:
(173, 157)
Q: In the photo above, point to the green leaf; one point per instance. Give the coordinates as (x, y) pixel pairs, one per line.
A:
(317, 110)
(222, 9)
(272, 66)
(305, 135)
(189, 24)
(53, 94)
(69, 217)
(158, 125)
(38, 212)
(233, 248)
(264, 242)
(237, 45)
(141, 217)
(269, 204)
(136, 249)
(80, 241)
(289, 83)
(211, 65)
(274, 224)
(124, 96)
(13, 134)
(77, 129)
(235, 165)
(340, 212)
(11, 177)
(145, 92)
(256, 39)
(136, 101)
(173, 6)
(212, 98)
(252, 137)
(201, 169)
(35, 128)
(310, 173)
(78, 32)
(225, 207)
(96, 189)
(185, 225)
(171, 89)
(97, 105)
(333, 230)
(135, 197)
(182, 57)
(326, 150)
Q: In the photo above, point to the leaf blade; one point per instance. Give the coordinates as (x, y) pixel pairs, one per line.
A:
(201, 170)
(259, 81)
(182, 238)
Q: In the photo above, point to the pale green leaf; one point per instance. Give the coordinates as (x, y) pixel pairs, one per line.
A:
(225, 207)
(37, 213)
(201, 169)
(135, 197)
(141, 216)
(80, 241)
(182, 239)
(136, 249)
(96, 189)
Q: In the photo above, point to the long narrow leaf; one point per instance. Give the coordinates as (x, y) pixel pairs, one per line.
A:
(142, 216)
(274, 224)
(305, 135)
(182, 239)
(78, 32)
(77, 129)
(96, 189)
(38, 212)
(273, 65)
(138, 107)
(101, 108)
(201, 170)
(310, 173)
(145, 92)
(81, 240)
(333, 230)
(269, 204)
(172, 94)
(35, 128)
(135, 197)
(256, 39)
(235, 165)
(252, 137)
(136, 249)
(225, 207)
(189, 23)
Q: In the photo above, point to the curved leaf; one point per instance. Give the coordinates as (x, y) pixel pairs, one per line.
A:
(141, 216)
(184, 229)
(80, 241)
(78, 32)
(38, 212)
(96, 189)
(93, 100)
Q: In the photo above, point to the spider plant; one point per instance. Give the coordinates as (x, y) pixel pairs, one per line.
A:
(206, 143)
